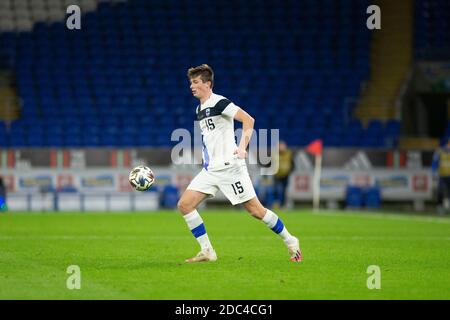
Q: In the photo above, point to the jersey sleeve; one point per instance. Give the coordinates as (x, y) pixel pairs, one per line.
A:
(230, 110)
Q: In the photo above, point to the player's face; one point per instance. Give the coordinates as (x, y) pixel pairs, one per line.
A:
(199, 88)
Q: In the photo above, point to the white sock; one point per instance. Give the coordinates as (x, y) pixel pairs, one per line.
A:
(195, 224)
(273, 222)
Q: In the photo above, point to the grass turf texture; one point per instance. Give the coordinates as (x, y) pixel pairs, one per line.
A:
(141, 256)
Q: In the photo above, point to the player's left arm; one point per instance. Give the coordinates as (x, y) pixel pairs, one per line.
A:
(247, 130)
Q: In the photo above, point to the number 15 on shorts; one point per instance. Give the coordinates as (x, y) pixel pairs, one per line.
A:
(237, 188)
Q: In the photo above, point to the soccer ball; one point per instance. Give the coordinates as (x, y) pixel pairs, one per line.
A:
(141, 178)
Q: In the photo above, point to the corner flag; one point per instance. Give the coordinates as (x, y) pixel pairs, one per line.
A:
(315, 147)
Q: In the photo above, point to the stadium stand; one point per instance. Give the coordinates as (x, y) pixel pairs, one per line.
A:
(391, 56)
(432, 29)
(121, 79)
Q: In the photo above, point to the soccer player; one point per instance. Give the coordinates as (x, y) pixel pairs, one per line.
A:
(285, 166)
(224, 166)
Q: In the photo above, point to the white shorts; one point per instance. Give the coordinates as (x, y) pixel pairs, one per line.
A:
(234, 182)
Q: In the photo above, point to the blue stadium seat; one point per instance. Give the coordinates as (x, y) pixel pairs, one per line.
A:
(131, 60)
(170, 197)
(354, 197)
(372, 197)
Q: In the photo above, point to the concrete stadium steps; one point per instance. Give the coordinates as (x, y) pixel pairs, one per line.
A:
(391, 55)
(9, 104)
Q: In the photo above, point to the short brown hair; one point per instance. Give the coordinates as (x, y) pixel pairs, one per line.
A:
(204, 71)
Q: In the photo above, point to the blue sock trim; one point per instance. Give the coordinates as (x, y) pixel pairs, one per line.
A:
(199, 230)
(278, 226)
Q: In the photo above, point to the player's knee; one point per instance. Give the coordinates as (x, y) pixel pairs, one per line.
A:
(184, 206)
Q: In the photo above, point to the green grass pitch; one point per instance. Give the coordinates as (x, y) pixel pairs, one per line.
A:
(141, 256)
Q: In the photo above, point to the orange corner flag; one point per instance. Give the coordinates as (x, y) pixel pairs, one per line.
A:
(315, 147)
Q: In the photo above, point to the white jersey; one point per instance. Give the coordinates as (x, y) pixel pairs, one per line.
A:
(216, 117)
